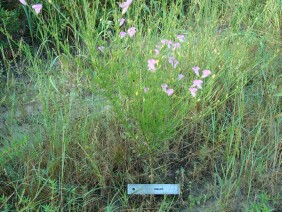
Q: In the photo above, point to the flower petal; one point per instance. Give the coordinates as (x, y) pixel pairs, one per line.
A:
(164, 87)
(122, 34)
(176, 46)
(180, 76)
(131, 31)
(157, 51)
(197, 83)
(121, 21)
(37, 8)
(166, 42)
(196, 70)
(151, 65)
(193, 91)
(180, 38)
(206, 73)
(173, 61)
(125, 6)
(23, 2)
(169, 91)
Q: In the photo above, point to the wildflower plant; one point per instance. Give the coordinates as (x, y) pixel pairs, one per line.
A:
(153, 89)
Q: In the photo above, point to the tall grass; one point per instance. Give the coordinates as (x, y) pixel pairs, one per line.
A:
(77, 126)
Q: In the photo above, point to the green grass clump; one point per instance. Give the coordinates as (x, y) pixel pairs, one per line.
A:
(77, 125)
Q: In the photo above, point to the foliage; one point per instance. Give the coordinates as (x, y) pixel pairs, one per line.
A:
(93, 114)
(9, 24)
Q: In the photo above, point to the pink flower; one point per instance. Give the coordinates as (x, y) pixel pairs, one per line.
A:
(101, 48)
(23, 2)
(125, 5)
(131, 31)
(176, 46)
(166, 42)
(180, 76)
(193, 91)
(180, 38)
(146, 89)
(206, 73)
(122, 34)
(196, 70)
(121, 21)
(164, 87)
(169, 92)
(151, 65)
(157, 51)
(197, 83)
(173, 61)
(37, 8)
(163, 41)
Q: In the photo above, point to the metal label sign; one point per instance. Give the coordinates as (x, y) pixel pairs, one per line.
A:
(155, 189)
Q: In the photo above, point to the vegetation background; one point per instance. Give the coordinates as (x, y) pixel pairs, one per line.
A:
(76, 125)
